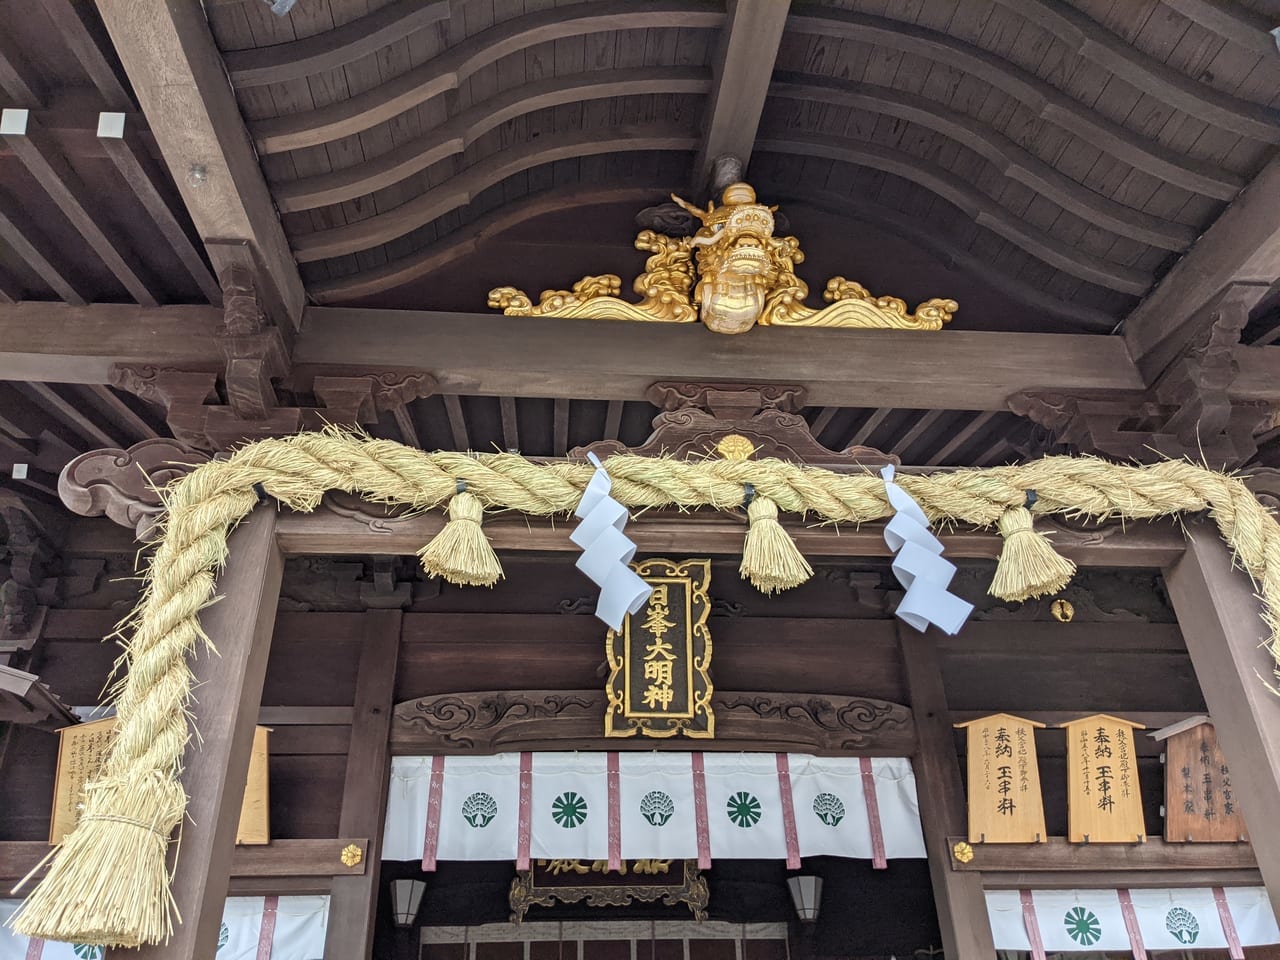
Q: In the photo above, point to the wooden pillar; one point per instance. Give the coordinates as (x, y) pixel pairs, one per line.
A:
(354, 899)
(960, 902)
(1222, 625)
(228, 693)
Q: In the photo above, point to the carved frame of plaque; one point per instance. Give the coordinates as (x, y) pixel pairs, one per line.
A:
(691, 891)
(625, 718)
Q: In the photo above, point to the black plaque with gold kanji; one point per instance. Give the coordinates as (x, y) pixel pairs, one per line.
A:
(659, 680)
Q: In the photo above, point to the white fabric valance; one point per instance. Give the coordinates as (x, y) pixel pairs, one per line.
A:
(282, 928)
(602, 806)
(1167, 919)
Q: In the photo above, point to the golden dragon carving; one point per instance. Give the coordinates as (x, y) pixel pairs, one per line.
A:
(732, 274)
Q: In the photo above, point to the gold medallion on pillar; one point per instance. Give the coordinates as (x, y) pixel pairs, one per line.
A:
(659, 663)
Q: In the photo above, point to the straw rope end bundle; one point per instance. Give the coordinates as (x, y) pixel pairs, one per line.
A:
(770, 558)
(1029, 566)
(461, 553)
(108, 883)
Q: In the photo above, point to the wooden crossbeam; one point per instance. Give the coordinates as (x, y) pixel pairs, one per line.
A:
(1239, 256)
(180, 80)
(744, 63)
(492, 355)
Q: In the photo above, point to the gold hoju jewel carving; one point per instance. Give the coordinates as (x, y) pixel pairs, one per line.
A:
(659, 663)
(732, 274)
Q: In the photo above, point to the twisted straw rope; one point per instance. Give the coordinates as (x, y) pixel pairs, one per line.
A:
(201, 508)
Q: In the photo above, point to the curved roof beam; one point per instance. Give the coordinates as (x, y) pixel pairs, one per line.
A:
(1012, 160)
(334, 48)
(446, 71)
(1097, 44)
(981, 208)
(455, 135)
(1041, 98)
(462, 243)
(1242, 27)
(460, 190)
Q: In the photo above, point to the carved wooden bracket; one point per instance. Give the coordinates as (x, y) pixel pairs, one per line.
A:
(1186, 413)
(496, 721)
(29, 567)
(199, 419)
(696, 416)
(122, 484)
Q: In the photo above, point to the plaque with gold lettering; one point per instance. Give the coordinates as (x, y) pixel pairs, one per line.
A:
(659, 663)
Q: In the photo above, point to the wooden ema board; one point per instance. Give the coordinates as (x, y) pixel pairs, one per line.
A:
(1005, 802)
(1200, 804)
(1104, 804)
(81, 749)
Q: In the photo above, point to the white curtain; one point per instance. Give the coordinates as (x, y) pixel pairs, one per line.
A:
(1170, 919)
(569, 806)
(299, 932)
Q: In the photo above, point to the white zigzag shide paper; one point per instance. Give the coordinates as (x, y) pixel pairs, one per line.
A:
(919, 566)
(606, 551)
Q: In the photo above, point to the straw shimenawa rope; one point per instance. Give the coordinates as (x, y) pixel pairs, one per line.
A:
(108, 884)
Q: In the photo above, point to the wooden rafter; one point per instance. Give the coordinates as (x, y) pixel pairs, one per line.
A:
(459, 191)
(37, 254)
(1038, 96)
(81, 35)
(179, 78)
(1010, 158)
(17, 79)
(744, 61)
(456, 134)
(1238, 259)
(51, 170)
(127, 152)
(452, 67)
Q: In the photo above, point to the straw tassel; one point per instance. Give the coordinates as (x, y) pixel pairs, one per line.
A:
(461, 553)
(770, 558)
(1028, 565)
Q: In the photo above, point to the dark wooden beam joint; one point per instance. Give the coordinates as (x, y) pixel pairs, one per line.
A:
(1188, 411)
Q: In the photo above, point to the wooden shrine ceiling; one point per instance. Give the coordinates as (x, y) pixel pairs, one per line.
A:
(1043, 162)
(1064, 154)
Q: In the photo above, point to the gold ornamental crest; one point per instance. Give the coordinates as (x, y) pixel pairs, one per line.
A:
(732, 274)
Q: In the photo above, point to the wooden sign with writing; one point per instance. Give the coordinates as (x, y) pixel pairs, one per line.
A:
(659, 664)
(1200, 803)
(81, 750)
(1104, 804)
(1005, 803)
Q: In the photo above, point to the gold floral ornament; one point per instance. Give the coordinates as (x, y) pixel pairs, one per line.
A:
(732, 274)
(962, 852)
(352, 855)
